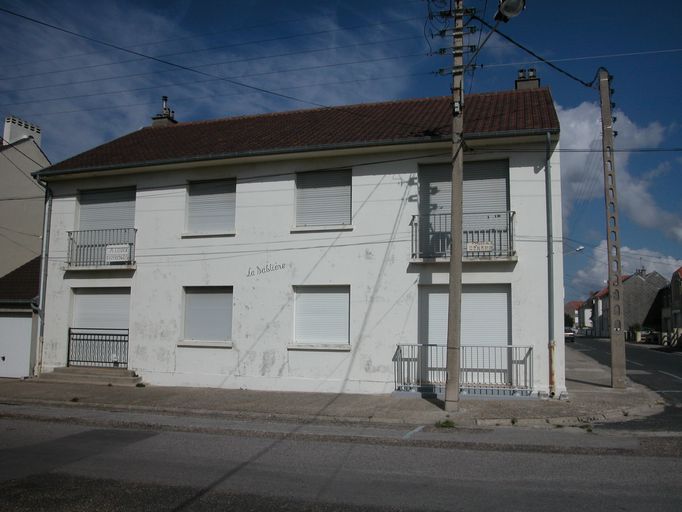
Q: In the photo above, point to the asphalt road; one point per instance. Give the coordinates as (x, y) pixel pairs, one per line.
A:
(63, 466)
(653, 367)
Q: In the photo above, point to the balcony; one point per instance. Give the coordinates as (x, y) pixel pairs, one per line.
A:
(503, 370)
(95, 248)
(485, 236)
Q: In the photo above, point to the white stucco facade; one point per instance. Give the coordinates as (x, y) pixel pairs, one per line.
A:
(267, 257)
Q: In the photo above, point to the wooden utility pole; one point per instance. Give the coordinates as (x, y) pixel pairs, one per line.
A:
(455, 288)
(618, 376)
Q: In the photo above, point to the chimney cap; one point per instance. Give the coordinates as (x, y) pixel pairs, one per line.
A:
(166, 117)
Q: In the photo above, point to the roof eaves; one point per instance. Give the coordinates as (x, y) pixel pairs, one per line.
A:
(510, 133)
(47, 173)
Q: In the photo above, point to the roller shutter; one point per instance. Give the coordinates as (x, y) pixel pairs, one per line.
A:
(107, 209)
(322, 314)
(323, 198)
(101, 308)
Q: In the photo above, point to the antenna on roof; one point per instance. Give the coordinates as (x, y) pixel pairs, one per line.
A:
(166, 117)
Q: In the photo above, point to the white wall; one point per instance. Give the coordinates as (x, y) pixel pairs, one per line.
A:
(373, 259)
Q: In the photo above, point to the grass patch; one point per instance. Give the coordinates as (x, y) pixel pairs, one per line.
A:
(445, 424)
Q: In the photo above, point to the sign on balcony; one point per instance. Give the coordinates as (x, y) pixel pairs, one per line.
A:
(118, 253)
(480, 246)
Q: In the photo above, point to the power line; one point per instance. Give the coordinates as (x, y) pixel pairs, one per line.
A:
(186, 52)
(180, 66)
(190, 82)
(19, 169)
(161, 61)
(195, 97)
(540, 58)
(587, 57)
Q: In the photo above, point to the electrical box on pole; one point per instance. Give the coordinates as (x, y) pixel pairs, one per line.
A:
(618, 376)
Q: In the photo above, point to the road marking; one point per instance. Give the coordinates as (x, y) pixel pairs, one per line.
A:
(414, 431)
(634, 362)
(667, 390)
(670, 375)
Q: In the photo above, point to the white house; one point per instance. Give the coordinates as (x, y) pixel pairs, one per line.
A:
(308, 250)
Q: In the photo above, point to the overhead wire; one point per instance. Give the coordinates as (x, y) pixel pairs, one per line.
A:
(160, 57)
(183, 67)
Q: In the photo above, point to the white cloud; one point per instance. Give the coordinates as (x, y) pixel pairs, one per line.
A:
(94, 111)
(582, 174)
(593, 276)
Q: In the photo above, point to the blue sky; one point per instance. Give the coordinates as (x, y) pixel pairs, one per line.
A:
(340, 52)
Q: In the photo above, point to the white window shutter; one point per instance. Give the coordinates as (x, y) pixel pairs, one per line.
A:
(101, 308)
(211, 206)
(486, 314)
(208, 314)
(322, 314)
(323, 198)
(107, 209)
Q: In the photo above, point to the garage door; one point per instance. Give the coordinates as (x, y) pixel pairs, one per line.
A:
(15, 345)
(486, 314)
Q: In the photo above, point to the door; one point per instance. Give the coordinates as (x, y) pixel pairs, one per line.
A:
(106, 219)
(99, 330)
(485, 220)
(15, 344)
(485, 332)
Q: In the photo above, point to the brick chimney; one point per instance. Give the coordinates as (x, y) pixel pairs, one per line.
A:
(166, 117)
(527, 79)
(17, 129)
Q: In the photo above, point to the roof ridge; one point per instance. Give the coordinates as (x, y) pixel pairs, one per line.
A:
(300, 111)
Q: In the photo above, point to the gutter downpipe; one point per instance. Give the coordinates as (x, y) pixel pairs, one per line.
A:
(550, 269)
(47, 221)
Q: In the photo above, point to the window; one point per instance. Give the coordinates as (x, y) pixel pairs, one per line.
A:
(211, 207)
(322, 315)
(208, 313)
(323, 198)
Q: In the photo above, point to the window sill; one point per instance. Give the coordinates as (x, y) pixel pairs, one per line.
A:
(208, 235)
(204, 344)
(321, 347)
(313, 229)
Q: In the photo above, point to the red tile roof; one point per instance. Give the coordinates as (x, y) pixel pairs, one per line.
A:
(678, 272)
(395, 122)
(22, 283)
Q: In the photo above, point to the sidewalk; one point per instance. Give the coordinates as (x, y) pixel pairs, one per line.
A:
(590, 399)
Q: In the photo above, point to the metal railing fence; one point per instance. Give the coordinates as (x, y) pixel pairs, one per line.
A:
(97, 247)
(483, 369)
(484, 235)
(98, 347)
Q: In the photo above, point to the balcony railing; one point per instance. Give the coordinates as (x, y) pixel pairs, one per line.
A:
(484, 370)
(101, 247)
(485, 236)
(98, 347)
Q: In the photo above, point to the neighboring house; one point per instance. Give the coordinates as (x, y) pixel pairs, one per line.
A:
(18, 319)
(308, 250)
(21, 197)
(640, 307)
(585, 317)
(671, 311)
(572, 309)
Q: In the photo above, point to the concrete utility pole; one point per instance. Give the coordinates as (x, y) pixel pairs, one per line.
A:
(455, 287)
(618, 376)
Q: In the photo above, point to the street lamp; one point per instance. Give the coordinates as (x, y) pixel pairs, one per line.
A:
(507, 9)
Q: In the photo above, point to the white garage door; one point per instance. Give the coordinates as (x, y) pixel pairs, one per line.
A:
(101, 308)
(15, 345)
(486, 314)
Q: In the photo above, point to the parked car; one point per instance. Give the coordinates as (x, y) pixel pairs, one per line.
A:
(569, 334)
